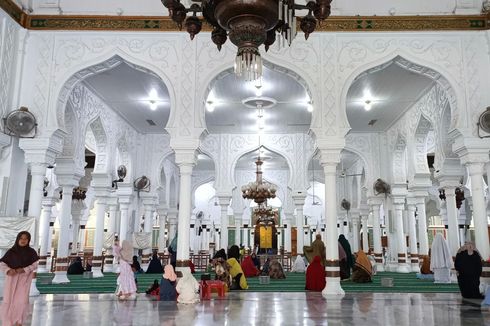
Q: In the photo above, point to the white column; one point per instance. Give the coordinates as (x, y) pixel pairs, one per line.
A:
(299, 201)
(162, 243)
(45, 234)
(172, 231)
(287, 235)
(414, 260)
(246, 235)
(125, 196)
(355, 233)
(422, 220)
(38, 171)
(82, 235)
(75, 228)
(399, 205)
(238, 221)
(365, 233)
(375, 204)
(109, 256)
(452, 219)
(480, 219)
(224, 201)
(332, 269)
(185, 168)
(123, 231)
(149, 204)
(64, 236)
(99, 236)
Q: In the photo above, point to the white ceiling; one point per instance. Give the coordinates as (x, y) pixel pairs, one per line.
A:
(127, 91)
(155, 7)
(288, 115)
(393, 90)
(272, 161)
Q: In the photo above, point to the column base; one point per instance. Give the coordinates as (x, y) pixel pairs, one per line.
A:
(97, 272)
(415, 268)
(60, 277)
(333, 287)
(403, 268)
(33, 291)
(380, 267)
(108, 268)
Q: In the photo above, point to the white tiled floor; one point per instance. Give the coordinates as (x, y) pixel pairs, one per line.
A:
(249, 308)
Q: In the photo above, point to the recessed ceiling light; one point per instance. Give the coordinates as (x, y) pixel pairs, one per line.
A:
(368, 105)
(153, 105)
(309, 107)
(210, 106)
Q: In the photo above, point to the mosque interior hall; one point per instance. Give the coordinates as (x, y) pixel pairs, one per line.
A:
(197, 162)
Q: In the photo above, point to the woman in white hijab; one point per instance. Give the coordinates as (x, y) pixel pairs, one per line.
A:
(299, 265)
(441, 260)
(126, 286)
(188, 288)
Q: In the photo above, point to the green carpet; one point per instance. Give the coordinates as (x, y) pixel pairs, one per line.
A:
(403, 283)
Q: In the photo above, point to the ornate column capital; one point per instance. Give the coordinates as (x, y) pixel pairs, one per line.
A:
(299, 199)
(66, 172)
(101, 183)
(42, 149)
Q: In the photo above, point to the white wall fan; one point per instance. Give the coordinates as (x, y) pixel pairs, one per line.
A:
(20, 123)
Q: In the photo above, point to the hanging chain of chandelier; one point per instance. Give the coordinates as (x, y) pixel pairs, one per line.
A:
(249, 24)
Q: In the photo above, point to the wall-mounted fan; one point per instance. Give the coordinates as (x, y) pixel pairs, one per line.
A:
(345, 204)
(142, 184)
(20, 123)
(484, 123)
(381, 187)
(121, 173)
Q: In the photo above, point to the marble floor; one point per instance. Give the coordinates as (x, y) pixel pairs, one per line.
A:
(253, 308)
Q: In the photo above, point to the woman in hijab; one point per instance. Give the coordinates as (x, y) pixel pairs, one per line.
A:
(249, 268)
(76, 268)
(363, 270)
(348, 255)
(315, 275)
(220, 255)
(155, 265)
(343, 264)
(266, 267)
(299, 265)
(276, 271)
(468, 264)
(256, 260)
(125, 280)
(441, 260)
(167, 284)
(188, 288)
(239, 281)
(19, 264)
(222, 270)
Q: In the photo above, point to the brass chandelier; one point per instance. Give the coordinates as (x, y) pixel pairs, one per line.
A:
(259, 191)
(249, 24)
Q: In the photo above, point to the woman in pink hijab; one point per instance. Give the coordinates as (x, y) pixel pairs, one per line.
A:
(167, 284)
(19, 264)
(126, 286)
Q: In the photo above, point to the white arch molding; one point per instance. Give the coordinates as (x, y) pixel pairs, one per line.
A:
(417, 65)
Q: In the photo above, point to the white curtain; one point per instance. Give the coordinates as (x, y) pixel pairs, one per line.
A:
(11, 226)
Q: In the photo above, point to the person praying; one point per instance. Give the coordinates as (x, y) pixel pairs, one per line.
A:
(76, 268)
(299, 265)
(315, 275)
(155, 266)
(441, 260)
(468, 264)
(346, 263)
(167, 284)
(317, 248)
(187, 288)
(363, 270)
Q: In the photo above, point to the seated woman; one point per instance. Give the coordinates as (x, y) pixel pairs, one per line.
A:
(299, 265)
(256, 261)
(362, 271)
(249, 268)
(315, 275)
(276, 271)
(76, 268)
(222, 270)
(266, 267)
(239, 282)
(155, 266)
(154, 289)
(167, 284)
(188, 288)
(425, 272)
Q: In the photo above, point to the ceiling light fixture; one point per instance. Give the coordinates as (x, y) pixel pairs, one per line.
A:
(153, 105)
(368, 104)
(309, 107)
(210, 106)
(249, 24)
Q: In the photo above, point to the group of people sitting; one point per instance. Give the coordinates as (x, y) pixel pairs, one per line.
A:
(361, 265)
(272, 267)
(229, 270)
